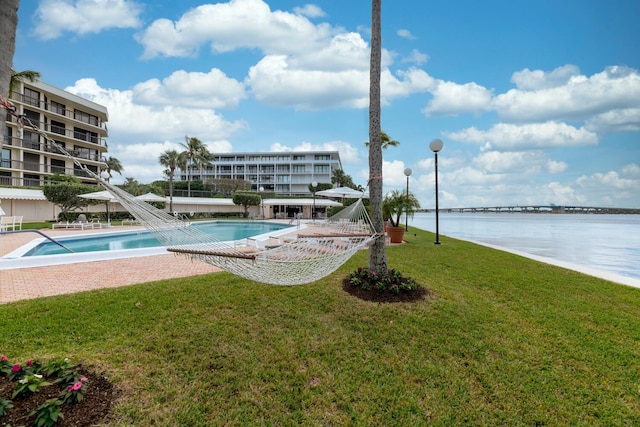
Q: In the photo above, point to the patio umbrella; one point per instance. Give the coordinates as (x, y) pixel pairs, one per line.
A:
(1, 211)
(151, 197)
(342, 192)
(101, 195)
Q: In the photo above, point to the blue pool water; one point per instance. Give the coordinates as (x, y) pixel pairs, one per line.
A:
(221, 230)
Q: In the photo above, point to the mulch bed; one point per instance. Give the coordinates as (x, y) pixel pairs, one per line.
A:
(374, 295)
(90, 411)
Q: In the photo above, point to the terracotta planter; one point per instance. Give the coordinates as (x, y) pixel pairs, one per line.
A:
(395, 234)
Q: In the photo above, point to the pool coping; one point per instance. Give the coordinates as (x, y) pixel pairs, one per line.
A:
(16, 259)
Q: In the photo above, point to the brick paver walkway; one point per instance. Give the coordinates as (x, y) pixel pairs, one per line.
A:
(24, 283)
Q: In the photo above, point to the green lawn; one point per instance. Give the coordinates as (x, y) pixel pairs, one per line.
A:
(503, 341)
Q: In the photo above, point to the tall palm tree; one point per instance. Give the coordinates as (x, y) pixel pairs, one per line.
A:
(113, 165)
(377, 251)
(18, 77)
(385, 140)
(171, 160)
(197, 156)
(8, 24)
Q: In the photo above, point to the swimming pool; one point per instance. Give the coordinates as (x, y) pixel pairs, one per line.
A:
(222, 230)
(126, 244)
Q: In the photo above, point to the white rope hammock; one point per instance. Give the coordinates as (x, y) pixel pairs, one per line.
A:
(304, 258)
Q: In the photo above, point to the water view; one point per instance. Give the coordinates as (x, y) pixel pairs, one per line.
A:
(609, 243)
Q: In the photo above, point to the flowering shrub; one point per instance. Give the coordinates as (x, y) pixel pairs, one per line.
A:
(393, 281)
(33, 376)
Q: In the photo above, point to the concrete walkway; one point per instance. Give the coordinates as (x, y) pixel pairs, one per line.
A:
(25, 283)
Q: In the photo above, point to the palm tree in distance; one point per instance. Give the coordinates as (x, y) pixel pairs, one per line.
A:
(113, 165)
(171, 160)
(22, 76)
(385, 141)
(197, 156)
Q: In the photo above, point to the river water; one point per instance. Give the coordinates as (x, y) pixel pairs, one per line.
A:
(591, 243)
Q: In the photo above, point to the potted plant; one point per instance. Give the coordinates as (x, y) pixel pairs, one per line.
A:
(395, 205)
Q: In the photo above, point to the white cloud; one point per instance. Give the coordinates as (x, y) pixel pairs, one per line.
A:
(538, 79)
(232, 25)
(505, 136)
(348, 154)
(450, 98)
(310, 10)
(416, 57)
(579, 99)
(54, 17)
(620, 120)
(404, 33)
(202, 90)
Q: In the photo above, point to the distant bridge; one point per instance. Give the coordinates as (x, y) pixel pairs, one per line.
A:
(557, 209)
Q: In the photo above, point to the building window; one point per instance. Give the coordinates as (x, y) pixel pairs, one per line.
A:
(31, 180)
(85, 135)
(298, 157)
(58, 166)
(58, 108)
(5, 160)
(81, 116)
(31, 140)
(33, 117)
(58, 127)
(298, 169)
(322, 157)
(5, 178)
(31, 162)
(85, 153)
(322, 169)
(31, 97)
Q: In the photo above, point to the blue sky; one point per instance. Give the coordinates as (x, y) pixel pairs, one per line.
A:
(536, 102)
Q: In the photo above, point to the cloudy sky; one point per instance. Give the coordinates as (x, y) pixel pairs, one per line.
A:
(536, 102)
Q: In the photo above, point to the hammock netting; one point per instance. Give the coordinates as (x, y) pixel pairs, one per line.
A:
(311, 254)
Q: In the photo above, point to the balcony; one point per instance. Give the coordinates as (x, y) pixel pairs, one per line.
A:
(75, 134)
(61, 110)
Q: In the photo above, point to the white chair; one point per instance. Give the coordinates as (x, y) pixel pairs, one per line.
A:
(17, 222)
(6, 222)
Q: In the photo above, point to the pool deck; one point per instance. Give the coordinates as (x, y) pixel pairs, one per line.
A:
(34, 282)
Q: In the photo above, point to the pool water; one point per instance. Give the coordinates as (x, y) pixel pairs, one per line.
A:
(221, 230)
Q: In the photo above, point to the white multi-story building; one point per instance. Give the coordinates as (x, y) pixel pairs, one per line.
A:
(285, 173)
(76, 124)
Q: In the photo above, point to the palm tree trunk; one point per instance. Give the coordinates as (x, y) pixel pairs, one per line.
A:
(8, 24)
(171, 193)
(377, 251)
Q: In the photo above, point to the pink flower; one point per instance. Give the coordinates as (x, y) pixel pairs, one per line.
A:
(69, 388)
(16, 368)
(83, 379)
(4, 358)
(29, 362)
(77, 386)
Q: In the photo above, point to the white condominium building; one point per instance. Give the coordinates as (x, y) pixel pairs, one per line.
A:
(286, 173)
(78, 125)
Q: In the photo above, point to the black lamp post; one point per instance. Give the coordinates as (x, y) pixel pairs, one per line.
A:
(435, 146)
(407, 173)
(314, 184)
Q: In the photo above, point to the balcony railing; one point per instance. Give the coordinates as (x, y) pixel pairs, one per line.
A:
(73, 114)
(50, 148)
(69, 133)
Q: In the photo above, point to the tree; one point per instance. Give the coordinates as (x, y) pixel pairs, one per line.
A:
(398, 203)
(341, 179)
(133, 187)
(8, 25)
(22, 76)
(320, 187)
(197, 155)
(385, 141)
(246, 199)
(171, 160)
(64, 192)
(377, 251)
(113, 165)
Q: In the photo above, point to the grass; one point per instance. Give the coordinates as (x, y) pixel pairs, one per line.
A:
(504, 341)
